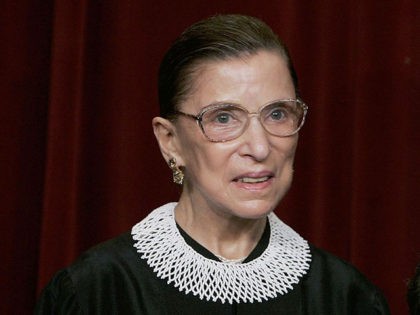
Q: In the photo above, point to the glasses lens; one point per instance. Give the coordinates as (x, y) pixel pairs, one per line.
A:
(226, 122)
(282, 118)
(223, 122)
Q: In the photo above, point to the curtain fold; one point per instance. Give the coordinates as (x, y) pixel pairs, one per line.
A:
(65, 136)
(79, 162)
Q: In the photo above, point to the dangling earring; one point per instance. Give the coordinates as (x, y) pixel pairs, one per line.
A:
(177, 174)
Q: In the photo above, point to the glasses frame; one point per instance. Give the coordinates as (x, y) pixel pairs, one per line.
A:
(199, 117)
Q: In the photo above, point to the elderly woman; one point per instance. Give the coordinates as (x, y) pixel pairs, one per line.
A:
(230, 116)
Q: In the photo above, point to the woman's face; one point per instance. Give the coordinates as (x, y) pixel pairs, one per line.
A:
(248, 176)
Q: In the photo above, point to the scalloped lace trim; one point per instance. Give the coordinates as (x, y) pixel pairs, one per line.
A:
(285, 260)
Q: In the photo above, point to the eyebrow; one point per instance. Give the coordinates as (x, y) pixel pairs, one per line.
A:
(227, 103)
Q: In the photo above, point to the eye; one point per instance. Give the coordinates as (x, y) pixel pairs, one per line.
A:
(275, 113)
(227, 115)
(278, 114)
(223, 117)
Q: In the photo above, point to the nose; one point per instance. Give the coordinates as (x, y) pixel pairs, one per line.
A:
(255, 139)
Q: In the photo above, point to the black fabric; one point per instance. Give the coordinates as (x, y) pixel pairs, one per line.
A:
(112, 279)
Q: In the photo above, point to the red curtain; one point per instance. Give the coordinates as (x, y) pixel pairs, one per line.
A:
(79, 163)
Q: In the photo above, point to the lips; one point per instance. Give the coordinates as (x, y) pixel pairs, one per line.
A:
(254, 178)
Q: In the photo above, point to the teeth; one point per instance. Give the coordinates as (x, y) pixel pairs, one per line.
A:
(253, 179)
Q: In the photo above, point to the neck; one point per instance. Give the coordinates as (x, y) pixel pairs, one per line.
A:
(224, 235)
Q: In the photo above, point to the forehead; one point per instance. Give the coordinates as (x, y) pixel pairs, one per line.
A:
(250, 81)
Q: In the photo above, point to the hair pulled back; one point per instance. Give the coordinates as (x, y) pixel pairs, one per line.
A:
(217, 38)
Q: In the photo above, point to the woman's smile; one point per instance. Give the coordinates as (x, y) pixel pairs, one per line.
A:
(254, 181)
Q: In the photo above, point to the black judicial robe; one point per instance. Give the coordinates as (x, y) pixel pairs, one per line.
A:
(111, 278)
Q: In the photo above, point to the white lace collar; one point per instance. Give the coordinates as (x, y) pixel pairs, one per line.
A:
(285, 260)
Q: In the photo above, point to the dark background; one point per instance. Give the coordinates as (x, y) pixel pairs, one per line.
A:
(79, 163)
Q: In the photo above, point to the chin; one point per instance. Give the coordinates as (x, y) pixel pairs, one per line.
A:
(254, 209)
(258, 204)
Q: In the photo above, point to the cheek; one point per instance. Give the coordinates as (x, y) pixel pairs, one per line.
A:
(208, 164)
(292, 151)
(188, 139)
(286, 148)
(207, 158)
(207, 172)
(198, 155)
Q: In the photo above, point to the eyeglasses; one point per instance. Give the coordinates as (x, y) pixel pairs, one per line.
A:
(224, 122)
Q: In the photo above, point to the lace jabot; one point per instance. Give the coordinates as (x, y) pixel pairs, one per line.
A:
(285, 260)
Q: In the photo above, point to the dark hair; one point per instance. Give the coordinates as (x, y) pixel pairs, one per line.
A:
(413, 293)
(217, 38)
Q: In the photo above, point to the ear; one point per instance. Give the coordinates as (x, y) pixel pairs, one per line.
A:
(166, 136)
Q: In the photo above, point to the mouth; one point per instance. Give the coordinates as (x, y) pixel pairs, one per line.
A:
(253, 180)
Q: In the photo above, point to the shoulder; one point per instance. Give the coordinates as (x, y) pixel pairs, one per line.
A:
(332, 277)
(102, 256)
(325, 262)
(75, 289)
(58, 297)
(329, 268)
(110, 268)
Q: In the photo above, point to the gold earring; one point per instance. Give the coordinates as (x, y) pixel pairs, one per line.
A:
(177, 174)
